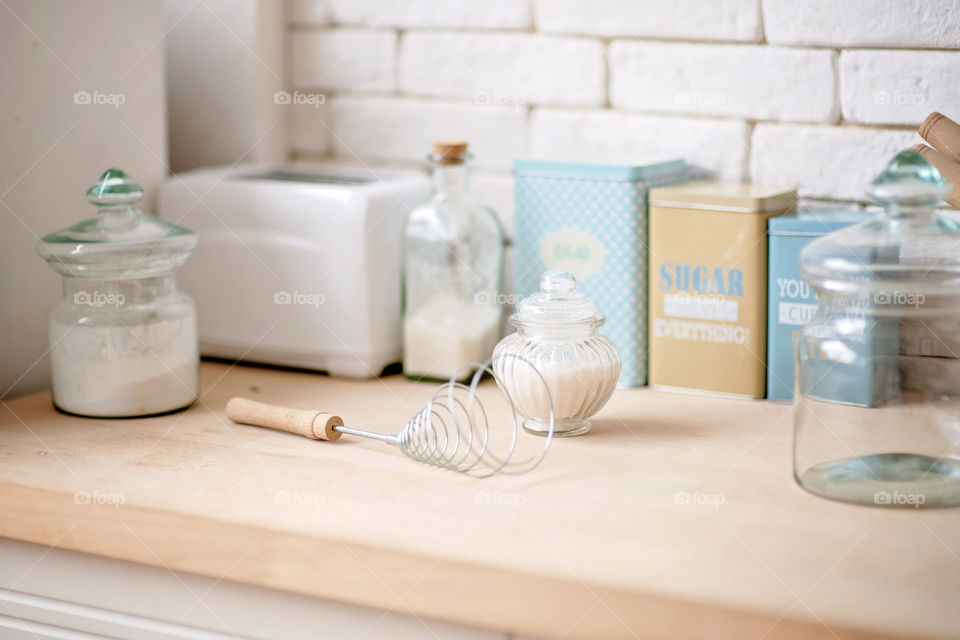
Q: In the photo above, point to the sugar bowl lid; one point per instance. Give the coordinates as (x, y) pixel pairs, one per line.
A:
(557, 303)
(119, 242)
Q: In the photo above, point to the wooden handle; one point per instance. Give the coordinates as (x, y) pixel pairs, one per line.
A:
(943, 134)
(305, 422)
(947, 167)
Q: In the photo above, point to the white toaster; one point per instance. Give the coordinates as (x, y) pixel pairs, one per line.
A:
(297, 266)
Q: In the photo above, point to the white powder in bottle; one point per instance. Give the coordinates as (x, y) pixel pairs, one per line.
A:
(446, 333)
(116, 371)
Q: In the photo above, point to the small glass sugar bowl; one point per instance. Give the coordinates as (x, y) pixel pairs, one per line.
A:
(557, 358)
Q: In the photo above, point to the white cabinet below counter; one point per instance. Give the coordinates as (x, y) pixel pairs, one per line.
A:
(55, 594)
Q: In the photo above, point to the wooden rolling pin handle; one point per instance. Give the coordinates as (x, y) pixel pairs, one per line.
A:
(305, 422)
(943, 134)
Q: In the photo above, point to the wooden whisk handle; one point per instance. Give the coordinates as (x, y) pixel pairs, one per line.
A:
(305, 422)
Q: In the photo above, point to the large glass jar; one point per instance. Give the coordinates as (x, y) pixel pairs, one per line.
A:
(123, 339)
(557, 359)
(453, 264)
(877, 409)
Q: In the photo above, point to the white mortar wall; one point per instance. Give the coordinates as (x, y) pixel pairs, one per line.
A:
(816, 93)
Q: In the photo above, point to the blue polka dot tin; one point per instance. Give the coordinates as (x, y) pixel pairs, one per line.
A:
(590, 220)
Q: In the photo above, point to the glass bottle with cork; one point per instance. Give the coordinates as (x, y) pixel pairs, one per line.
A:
(453, 270)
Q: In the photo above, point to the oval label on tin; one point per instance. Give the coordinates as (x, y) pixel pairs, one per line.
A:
(576, 252)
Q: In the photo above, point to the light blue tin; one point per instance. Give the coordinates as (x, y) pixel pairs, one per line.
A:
(590, 219)
(791, 301)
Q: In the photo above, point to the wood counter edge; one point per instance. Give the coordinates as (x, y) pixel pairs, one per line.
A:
(381, 578)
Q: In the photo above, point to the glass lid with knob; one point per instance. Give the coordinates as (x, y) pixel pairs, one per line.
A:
(119, 242)
(910, 247)
(557, 303)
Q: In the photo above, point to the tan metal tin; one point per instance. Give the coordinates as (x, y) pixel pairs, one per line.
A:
(708, 285)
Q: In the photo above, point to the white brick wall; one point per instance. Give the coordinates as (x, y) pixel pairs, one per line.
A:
(306, 131)
(898, 87)
(403, 129)
(344, 59)
(863, 23)
(496, 191)
(514, 68)
(433, 14)
(764, 90)
(306, 12)
(758, 82)
(717, 147)
(677, 19)
(823, 161)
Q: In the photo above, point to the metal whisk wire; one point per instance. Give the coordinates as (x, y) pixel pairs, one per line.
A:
(465, 445)
(451, 431)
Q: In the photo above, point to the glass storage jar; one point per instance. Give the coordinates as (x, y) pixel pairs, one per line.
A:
(453, 264)
(877, 409)
(557, 348)
(123, 339)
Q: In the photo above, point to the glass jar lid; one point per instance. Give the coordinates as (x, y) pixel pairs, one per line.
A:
(910, 247)
(557, 303)
(118, 243)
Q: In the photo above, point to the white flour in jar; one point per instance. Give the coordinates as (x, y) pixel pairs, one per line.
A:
(114, 371)
(446, 333)
(575, 387)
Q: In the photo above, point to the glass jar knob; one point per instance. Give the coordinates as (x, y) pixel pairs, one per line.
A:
(554, 281)
(114, 195)
(909, 180)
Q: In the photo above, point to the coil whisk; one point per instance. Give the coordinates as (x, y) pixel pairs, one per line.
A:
(452, 431)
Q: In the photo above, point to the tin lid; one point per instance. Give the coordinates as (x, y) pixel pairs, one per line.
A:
(724, 196)
(815, 222)
(557, 303)
(606, 167)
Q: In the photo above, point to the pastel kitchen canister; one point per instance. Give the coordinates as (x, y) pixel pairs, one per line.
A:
(791, 300)
(708, 288)
(588, 217)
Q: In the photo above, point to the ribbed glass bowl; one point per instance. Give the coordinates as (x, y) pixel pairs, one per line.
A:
(573, 368)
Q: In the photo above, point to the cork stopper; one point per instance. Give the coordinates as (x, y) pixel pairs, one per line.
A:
(450, 151)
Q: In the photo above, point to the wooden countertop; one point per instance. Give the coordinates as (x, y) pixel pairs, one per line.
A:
(597, 542)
